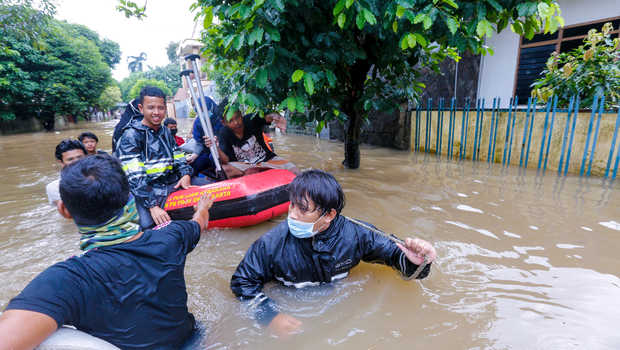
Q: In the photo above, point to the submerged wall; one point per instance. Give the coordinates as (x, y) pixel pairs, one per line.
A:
(519, 144)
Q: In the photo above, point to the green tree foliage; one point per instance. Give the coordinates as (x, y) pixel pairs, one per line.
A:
(327, 59)
(140, 83)
(131, 9)
(62, 72)
(23, 20)
(109, 50)
(109, 97)
(127, 83)
(169, 74)
(171, 51)
(589, 70)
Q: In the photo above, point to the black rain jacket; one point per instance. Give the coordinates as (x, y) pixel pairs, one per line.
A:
(326, 257)
(151, 160)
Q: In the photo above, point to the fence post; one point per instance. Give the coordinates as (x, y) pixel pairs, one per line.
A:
(585, 150)
(555, 102)
(529, 138)
(429, 117)
(544, 135)
(505, 153)
(465, 123)
(439, 127)
(572, 136)
(527, 118)
(451, 129)
(613, 145)
(565, 138)
(598, 124)
(512, 129)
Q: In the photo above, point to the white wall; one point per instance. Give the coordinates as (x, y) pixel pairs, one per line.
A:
(497, 72)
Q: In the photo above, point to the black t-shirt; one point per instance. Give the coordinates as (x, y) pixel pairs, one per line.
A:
(132, 295)
(251, 148)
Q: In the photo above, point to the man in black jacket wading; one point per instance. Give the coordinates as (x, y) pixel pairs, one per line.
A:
(318, 245)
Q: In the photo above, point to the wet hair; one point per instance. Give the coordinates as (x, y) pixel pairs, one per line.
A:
(319, 187)
(169, 121)
(68, 145)
(151, 91)
(94, 189)
(88, 135)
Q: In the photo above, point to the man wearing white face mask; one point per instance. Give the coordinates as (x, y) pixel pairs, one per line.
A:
(318, 245)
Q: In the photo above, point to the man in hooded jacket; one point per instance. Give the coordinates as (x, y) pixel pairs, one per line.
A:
(154, 164)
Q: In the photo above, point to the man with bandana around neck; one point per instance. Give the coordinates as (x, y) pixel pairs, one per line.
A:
(127, 288)
(318, 245)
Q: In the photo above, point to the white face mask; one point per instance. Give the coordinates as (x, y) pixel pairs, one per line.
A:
(302, 229)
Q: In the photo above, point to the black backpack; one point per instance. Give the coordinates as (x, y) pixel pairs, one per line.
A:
(131, 112)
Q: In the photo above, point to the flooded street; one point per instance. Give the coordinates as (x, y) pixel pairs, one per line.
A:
(524, 261)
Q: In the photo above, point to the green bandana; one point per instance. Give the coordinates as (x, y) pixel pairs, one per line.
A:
(117, 230)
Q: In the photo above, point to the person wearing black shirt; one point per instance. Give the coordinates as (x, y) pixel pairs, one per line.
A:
(127, 288)
(241, 142)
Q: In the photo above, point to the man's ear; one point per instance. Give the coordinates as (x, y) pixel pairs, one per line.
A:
(140, 108)
(331, 215)
(63, 210)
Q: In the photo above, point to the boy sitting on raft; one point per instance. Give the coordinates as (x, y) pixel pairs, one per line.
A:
(318, 245)
(128, 288)
(154, 164)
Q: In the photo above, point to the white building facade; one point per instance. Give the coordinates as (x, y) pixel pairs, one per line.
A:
(517, 62)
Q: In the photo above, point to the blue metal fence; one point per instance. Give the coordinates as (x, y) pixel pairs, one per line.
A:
(535, 121)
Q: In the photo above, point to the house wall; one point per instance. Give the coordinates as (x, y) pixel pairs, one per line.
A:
(497, 72)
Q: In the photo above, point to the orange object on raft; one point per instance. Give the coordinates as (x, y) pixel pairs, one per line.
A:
(238, 202)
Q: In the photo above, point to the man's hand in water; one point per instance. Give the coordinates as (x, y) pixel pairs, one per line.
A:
(159, 215)
(201, 216)
(184, 183)
(283, 325)
(416, 249)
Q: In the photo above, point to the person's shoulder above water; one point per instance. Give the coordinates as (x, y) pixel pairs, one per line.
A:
(53, 192)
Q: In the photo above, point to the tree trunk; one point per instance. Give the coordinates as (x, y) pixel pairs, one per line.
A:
(353, 111)
(352, 141)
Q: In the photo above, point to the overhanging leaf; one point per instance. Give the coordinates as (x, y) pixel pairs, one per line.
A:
(297, 75)
(309, 84)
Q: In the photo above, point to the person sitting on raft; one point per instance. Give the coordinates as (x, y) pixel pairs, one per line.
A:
(242, 143)
(152, 160)
(171, 124)
(127, 288)
(317, 245)
(201, 160)
(67, 152)
(90, 141)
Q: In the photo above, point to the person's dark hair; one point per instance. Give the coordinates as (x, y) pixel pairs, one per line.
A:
(169, 121)
(68, 145)
(88, 135)
(152, 91)
(318, 186)
(94, 189)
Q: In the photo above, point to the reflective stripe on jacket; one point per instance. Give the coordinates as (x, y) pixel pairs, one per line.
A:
(324, 258)
(152, 161)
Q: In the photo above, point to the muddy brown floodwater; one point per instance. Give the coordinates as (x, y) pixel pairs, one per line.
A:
(525, 262)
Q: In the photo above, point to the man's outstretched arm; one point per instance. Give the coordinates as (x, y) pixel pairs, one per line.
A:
(247, 284)
(24, 330)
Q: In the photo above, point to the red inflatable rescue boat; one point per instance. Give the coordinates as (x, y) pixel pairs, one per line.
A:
(238, 202)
